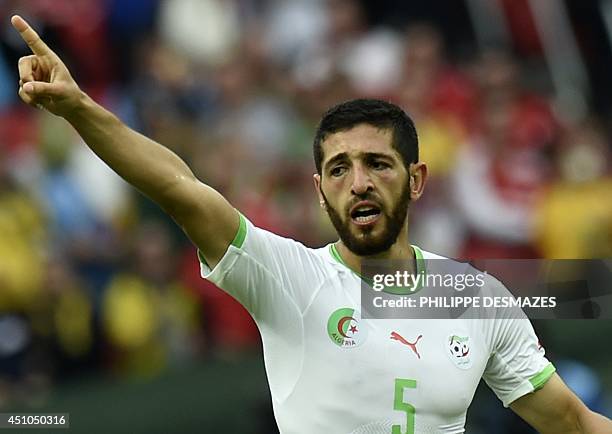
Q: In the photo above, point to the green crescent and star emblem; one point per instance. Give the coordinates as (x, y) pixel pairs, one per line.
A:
(344, 328)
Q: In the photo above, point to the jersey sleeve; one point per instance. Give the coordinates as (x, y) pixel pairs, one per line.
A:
(265, 272)
(517, 364)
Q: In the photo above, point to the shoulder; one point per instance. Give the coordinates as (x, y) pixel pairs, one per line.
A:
(284, 255)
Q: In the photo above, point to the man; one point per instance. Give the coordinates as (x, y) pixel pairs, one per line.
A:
(329, 371)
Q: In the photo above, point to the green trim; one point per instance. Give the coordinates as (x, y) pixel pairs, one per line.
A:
(238, 240)
(538, 380)
(420, 269)
(418, 253)
(337, 257)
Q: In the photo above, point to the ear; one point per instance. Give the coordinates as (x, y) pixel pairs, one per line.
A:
(317, 184)
(418, 178)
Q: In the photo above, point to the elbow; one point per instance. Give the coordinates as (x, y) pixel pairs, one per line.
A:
(589, 422)
(573, 419)
(175, 198)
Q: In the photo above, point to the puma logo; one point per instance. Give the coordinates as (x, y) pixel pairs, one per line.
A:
(397, 337)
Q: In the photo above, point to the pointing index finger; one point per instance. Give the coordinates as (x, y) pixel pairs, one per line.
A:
(31, 38)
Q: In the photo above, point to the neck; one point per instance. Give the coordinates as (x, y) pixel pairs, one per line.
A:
(401, 250)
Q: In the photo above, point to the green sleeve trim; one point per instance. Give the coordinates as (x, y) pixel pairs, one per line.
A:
(238, 240)
(540, 379)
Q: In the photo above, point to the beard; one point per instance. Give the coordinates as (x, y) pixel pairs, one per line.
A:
(368, 244)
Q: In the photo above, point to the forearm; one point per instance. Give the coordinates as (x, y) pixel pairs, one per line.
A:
(147, 165)
(207, 218)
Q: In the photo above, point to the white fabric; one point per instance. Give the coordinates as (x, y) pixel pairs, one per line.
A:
(319, 387)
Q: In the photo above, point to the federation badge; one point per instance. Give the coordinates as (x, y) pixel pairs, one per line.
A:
(458, 350)
(345, 329)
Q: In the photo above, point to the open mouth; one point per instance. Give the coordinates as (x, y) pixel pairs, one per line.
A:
(363, 214)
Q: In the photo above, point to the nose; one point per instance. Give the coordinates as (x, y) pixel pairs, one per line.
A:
(361, 182)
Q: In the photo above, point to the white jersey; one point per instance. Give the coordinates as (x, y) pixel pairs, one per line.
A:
(330, 371)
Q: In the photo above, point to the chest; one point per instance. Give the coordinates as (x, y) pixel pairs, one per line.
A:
(437, 364)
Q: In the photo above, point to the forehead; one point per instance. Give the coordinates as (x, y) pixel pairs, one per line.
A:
(359, 139)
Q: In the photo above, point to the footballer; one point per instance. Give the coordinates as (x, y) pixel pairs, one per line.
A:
(329, 370)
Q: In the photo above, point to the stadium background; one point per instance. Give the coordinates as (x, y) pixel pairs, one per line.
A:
(102, 311)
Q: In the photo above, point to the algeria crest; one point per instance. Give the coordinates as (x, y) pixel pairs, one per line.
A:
(345, 329)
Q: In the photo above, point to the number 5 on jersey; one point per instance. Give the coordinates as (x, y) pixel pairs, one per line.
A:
(400, 405)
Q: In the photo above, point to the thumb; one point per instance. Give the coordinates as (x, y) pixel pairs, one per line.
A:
(39, 88)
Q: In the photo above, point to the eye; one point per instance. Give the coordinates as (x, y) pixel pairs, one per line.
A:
(379, 165)
(337, 171)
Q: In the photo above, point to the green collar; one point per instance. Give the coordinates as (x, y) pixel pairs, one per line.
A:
(420, 269)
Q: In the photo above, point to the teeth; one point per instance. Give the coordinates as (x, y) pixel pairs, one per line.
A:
(365, 208)
(365, 219)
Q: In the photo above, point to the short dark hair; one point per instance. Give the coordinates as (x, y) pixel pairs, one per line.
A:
(380, 114)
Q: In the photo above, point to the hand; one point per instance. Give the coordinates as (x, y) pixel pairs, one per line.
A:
(44, 80)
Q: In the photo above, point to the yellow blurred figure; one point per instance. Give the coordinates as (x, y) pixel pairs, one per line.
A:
(148, 317)
(140, 322)
(575, 217)
(576, 221)
(73, 319)
(21, 236)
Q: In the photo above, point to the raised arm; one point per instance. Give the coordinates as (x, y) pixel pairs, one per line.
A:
(205, 216)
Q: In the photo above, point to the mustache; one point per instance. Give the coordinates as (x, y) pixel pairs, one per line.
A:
(366, 196)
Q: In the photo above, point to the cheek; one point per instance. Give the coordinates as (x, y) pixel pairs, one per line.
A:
(334, 192)
(333, 187)
(390, 184)
(391, 192)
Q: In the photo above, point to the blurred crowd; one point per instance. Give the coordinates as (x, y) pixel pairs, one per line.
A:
(93, 276)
